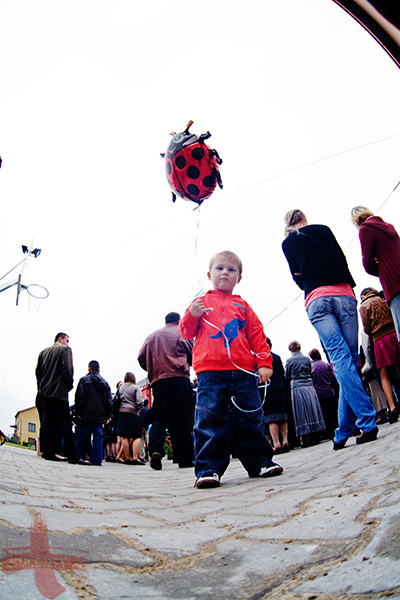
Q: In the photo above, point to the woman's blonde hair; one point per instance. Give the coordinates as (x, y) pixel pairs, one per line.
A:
(292, 218)
(359, 214)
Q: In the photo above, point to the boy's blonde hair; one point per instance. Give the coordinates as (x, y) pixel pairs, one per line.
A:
(359, 214)
(227, 254)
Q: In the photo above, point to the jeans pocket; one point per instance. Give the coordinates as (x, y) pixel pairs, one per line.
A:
(349, 306)
(317, 309)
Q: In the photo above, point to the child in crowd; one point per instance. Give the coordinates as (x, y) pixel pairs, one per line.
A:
(230, 345)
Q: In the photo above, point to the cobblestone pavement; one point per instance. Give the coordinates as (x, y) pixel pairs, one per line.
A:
(327, 528)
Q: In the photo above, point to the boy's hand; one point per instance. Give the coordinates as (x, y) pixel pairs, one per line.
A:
(197, 309)
(264, 373)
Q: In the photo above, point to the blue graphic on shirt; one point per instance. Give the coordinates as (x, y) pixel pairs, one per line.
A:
(231, 329)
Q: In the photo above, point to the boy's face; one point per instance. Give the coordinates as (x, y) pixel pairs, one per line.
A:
(224, 274)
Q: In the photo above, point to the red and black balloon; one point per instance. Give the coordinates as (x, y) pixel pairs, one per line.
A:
(191, 166)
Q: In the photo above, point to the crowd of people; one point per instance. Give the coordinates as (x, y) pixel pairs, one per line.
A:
(244, 403)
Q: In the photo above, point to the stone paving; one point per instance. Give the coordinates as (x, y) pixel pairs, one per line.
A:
(327, 528)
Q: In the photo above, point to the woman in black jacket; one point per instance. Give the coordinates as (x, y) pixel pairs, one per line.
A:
(319, 267)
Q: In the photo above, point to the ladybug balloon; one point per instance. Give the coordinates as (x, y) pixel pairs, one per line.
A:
(191, 166)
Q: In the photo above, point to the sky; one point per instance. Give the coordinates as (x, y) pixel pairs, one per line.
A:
(302, 105)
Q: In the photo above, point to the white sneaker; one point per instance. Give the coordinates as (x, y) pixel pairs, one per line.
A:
(270, 471)
(208, 481)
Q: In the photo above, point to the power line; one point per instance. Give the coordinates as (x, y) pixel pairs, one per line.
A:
(146, 231)
(304, 166)
(347, 245)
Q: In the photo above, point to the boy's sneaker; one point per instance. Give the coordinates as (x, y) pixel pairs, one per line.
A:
(208, 481)
(269, 471)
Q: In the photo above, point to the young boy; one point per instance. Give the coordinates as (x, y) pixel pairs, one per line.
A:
(230, 344)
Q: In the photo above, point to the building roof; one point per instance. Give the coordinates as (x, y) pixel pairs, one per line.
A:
(23, 410)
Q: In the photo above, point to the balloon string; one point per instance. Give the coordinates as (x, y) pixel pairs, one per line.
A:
(195, 250)
(228, 349)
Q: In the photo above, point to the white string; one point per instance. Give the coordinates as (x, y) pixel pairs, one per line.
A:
(195, 247)
(228, 349)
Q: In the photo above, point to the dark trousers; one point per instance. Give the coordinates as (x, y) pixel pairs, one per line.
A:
(56, 419)
(172, 409)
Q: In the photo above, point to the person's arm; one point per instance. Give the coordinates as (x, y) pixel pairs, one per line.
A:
(79, 397)
(293, 266)
(142, 358)
(365, 319)
(281, 369)
(287, 371)
(265, 373)
(108, 402)
(369, 259)
(139, 400)
(116, 403)
(68, 369)
(189, 323)
(258, 343)
(188, 344)
(38, 372)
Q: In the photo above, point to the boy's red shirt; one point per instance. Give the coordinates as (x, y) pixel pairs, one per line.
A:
(232, 315)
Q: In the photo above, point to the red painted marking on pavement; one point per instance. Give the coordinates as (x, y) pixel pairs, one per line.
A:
(39, 558)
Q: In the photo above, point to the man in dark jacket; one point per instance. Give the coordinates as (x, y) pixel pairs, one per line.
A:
(55, 378)
(93, 408)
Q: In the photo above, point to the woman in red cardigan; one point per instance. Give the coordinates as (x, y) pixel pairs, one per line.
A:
(380, 246)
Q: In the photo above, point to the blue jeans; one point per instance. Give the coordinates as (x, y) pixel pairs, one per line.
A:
(394, 306)
(219, 424)
(335, 319)
(84, 431)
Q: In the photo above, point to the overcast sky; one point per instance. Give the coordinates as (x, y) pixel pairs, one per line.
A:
(90, 91)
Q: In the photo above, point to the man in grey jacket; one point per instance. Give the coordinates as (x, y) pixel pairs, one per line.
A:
(55, 378)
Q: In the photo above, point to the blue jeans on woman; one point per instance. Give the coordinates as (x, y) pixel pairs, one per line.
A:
(394, 306)
(336, 322)
(219, 423)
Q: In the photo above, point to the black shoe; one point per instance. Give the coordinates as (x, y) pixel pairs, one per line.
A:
(155, 461)
(367, 436)
(337, 446)
(383, 419)
(393, 416)
(52, 457)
